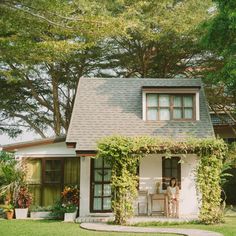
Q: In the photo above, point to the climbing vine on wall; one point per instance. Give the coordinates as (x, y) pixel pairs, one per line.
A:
(118, 153)
(123, 154)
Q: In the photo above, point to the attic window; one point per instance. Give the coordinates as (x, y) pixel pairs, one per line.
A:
(170, 106)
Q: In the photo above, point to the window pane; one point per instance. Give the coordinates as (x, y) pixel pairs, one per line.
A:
(177, 113)
(97, 190)
(164, 100)
(174, 173)
(49, 165)
(175, 162)
(106, 203)
(57, 165)
(98, 163)
(97, 204)
(106, 164)
(152, 100)
(188, 113)
(98, 175)
(164, 114)
(167, 173)
(167, 163)
(48, 177)
(152, 114)
(177, 101)
(107, 175)
(52, 171)
(188, 101)
(107, 190)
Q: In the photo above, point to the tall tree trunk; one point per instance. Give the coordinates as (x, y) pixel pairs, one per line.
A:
(56, 102)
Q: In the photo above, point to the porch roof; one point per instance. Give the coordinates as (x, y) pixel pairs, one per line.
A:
(33, 143)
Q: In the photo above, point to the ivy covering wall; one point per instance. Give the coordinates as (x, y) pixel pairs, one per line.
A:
(123, 154)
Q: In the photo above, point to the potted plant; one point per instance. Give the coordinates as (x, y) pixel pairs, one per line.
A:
(9, 211)
(22, 202)
(40, 212)
(70, 202)
(70, 212)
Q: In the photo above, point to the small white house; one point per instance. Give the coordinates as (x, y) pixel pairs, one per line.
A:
(168, 108)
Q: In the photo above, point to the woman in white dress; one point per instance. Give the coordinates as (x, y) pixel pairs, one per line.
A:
(173, 198)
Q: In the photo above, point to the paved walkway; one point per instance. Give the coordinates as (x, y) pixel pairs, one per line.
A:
(132, 229)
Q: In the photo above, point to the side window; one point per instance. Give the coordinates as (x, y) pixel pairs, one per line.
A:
(170, 168)
(52, 172)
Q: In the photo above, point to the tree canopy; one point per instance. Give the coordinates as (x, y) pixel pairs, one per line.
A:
(46, 46)
(220, 39)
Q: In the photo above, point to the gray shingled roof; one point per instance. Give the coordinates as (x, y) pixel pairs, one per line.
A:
(109, 106)
(221, 119)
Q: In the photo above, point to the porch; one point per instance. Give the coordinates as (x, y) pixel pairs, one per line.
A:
(154, 170)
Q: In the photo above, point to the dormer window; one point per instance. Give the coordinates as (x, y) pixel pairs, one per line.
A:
(170, 107)
(171, 104)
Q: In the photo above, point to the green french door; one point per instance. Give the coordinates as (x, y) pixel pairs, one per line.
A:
(100, 186)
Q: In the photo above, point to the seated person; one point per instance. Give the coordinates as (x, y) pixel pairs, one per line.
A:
(173, 198)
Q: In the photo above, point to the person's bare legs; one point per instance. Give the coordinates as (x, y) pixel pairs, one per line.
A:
(173, 208)
(177, 209)
(169, 208)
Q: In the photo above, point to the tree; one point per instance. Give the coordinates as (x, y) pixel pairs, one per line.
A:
(46, 46)
(220, 39)
(164, 39)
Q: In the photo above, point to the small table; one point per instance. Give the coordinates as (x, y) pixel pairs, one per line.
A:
(159, 197)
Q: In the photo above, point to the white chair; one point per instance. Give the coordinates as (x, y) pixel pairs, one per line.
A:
(142, 202)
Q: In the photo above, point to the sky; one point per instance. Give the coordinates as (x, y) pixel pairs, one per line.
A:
(26, 136)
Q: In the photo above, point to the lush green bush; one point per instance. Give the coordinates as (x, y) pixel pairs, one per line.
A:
(123, 154)
(58, 210)
(12, 176)
(68, 202)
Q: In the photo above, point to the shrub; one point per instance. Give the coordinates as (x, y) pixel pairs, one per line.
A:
(68, 202)
(23, 198)
(70, 195)
(58, 210)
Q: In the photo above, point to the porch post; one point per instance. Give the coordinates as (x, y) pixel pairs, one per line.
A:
(84, 207)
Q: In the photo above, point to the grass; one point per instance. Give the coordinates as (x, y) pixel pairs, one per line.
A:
(53, 228)
(227, 229)
(58, 228)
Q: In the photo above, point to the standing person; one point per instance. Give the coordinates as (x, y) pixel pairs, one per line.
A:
(173, 198)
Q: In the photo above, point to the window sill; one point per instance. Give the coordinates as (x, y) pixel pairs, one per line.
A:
(171, 121)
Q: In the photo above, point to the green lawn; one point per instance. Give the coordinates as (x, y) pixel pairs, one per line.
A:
(227, 229)
(57, 228)
(51, 228)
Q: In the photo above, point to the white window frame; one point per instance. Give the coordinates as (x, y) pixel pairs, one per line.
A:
(168, 91)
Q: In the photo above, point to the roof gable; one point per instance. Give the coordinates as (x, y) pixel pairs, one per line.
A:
(111, 106)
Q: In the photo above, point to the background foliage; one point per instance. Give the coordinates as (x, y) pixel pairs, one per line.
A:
(12, 177)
